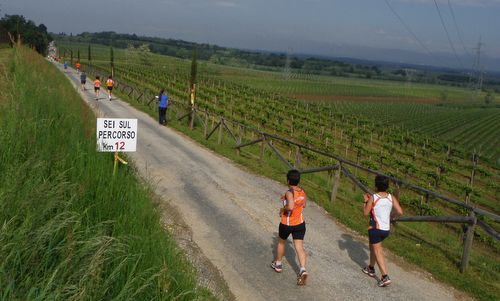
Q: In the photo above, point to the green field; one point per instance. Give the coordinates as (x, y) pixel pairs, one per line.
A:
(70, 230)
(359, 131)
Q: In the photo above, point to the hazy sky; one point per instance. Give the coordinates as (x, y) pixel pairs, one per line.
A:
(357, 28)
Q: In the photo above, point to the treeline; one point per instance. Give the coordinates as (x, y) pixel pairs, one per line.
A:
(32, 35)
(228, 56)
(275, 61)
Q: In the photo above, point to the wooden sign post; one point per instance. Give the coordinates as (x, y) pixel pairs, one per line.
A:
(116, 135)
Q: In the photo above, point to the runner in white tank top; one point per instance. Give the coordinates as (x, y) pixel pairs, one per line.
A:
(381, 212)
(378, 207)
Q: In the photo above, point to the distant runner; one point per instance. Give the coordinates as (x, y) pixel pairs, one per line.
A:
(78, 67)
(83, 80)
(162, 106)
(65, 65)
(109, 85)
(97, 87)
(292, 222)
(379, 207)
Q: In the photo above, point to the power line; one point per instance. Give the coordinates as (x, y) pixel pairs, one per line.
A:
(459, 33)
(448, 35)
(407, 27)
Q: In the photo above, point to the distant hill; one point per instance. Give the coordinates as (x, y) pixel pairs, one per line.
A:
(297, 63)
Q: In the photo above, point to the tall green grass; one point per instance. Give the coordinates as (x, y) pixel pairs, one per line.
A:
(68, 229)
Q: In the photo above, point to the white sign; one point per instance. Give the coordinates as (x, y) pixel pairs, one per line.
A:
(116, 135)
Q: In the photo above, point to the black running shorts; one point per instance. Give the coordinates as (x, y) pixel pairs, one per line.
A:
(110, 88)
(298, 232)
(375, 235)
(97, 88)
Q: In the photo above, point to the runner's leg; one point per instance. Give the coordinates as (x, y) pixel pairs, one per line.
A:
(280, 249)
(301, 253)
(373, 260)
(379, 255)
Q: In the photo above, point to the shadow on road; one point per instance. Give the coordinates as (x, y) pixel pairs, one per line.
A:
(357, 251)
(289, 252)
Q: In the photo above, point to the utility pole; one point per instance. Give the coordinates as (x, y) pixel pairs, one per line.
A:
(477, 69)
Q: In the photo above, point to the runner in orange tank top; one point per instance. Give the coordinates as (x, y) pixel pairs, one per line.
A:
(109, 84)
(292, 222)
(97, 87)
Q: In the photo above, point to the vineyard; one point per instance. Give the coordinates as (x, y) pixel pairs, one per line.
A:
(375, 135)
(342, 128)
(452, 114)
(310, 86)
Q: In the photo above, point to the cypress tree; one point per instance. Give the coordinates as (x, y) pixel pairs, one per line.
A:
(112, 60)
(89, 55)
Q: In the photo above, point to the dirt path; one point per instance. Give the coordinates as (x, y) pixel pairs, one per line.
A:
(233, 219)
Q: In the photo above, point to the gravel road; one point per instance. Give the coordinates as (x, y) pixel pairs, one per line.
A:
(232, 216)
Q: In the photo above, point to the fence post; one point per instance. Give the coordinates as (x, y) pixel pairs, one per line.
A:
(336, 183)
(262, 145)
(469, 236)
(297, 157)
(206, 124)
(219, 138)
(191, 119)
(239, 139)
(472, 175)
(396, 190)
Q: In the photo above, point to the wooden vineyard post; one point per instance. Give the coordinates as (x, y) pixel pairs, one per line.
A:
(336, 183)
(472, 175)
(205, 129)
(298, 157)
(238, 151)
(262, 149)
(358, 156)
(396, 190)
(191, 119)
(469, 236)
(219, 137)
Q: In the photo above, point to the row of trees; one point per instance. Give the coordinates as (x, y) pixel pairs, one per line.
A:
(229, 56)
(35, 36)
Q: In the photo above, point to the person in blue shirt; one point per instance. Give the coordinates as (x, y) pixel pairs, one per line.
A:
(162, 106)
(65, 65)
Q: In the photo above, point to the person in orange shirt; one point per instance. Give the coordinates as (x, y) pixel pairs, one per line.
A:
(109, 84)
(292, 222)
(97, 87)
(78, 67)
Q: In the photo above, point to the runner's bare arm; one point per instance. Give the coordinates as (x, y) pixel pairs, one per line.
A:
(290, 203)
(396, 206)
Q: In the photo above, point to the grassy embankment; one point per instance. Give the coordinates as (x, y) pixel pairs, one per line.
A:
(69, 230)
